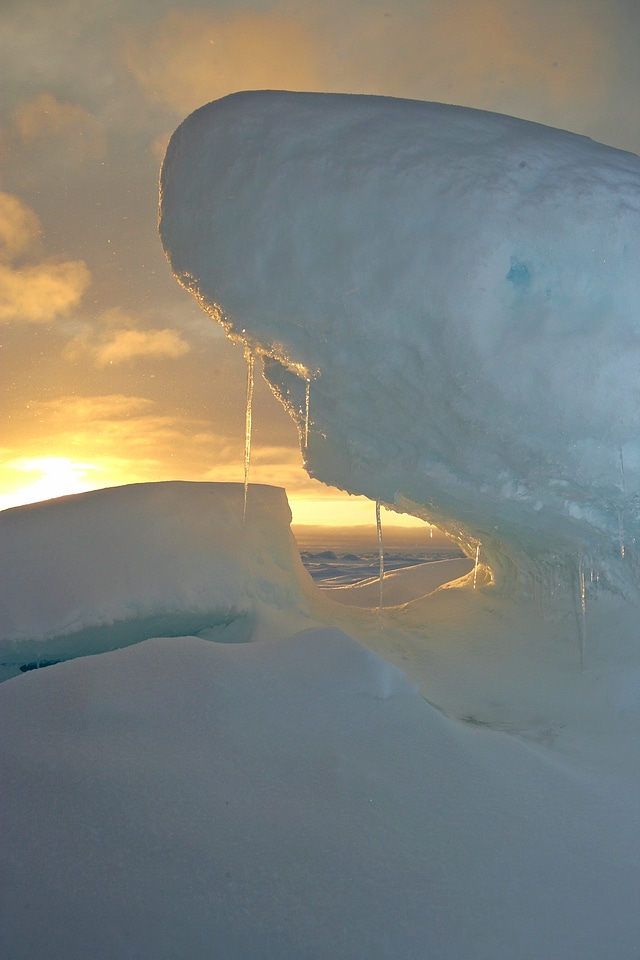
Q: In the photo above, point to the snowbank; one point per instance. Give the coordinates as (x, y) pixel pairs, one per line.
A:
(462, 289)
(103, 569)
(289, 800)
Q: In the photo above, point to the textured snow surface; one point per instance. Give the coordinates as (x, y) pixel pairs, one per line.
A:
(462, 289)
(295, 799)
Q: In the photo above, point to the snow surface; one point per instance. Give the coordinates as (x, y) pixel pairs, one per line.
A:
(296, 795)
(463, 291)
(293, 800)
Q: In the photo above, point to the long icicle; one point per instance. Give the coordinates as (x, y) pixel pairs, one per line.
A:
(307, 395)
(620, 512)
(380, 556)
(583, 612)
(475, 566)
(247, 426)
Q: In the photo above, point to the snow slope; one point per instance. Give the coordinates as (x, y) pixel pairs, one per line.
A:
(293, 800)
(99, 570)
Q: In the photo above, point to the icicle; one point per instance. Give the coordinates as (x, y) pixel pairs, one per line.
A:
(247, 427)
(380, 556)
(307, 394)
(620, 513)
(431, 530)
(475, 568)
(621, 520)
(583, 612)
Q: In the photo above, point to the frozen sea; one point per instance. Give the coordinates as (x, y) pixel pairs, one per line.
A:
(329, 568)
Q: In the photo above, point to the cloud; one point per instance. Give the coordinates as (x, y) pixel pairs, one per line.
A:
(127, 431)
(496, 50)
(33, 293)
(80, 442)
(133, 344)
(77, 410)
(554, 62)
(39, 294)
(131, 437)
(118, 340)
(19, 227)
(538, 59)
(190, 58)
(129, 426)
(158, 146)
(44, 118)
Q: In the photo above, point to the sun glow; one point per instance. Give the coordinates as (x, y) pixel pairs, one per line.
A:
(25, 480)
(54, 477)
(344, 511)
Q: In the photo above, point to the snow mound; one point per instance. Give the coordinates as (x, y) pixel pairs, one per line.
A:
(108, 568)
(462, 291)
(187, 799)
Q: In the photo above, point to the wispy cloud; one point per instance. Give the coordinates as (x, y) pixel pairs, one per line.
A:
(19, 227)
(33, 292)
(43, 292)
(549, 61)
(116, 339)
(73, 411)
(555, 62)
(44, 118)
(191, 57)
(134, 434)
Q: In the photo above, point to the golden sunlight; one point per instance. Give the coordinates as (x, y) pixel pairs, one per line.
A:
(54, 477)
(31, 480)
(345, 511)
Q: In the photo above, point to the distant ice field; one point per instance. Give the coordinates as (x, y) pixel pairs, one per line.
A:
(330, 569)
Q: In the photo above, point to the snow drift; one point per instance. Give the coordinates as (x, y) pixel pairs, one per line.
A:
(461, 288)
(100, 570)
(290, 800)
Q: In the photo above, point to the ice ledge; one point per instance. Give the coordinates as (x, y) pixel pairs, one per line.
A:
(462, 288)
(105, 569)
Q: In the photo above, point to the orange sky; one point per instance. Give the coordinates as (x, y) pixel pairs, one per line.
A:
(110, 373)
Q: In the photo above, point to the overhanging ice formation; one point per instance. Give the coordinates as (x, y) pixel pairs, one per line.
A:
(461, 288)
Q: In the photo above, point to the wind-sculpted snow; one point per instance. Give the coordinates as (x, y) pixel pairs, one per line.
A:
(461, 288)
(106, 569)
